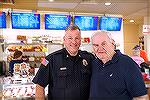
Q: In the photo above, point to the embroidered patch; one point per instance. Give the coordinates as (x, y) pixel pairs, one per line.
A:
(44, 62)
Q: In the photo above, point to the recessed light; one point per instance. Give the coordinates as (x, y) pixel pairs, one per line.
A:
(131, 21)
(107, 3)
(51, 0)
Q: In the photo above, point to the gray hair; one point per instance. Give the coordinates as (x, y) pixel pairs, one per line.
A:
(103, 32)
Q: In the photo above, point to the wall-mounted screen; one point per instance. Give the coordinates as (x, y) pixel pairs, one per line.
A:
(86, 22)
(57, 22)
(2, 20)
(25, 21)
(110, 23)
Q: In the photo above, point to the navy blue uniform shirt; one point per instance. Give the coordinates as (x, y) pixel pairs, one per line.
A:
(68, 77)
(118, 79)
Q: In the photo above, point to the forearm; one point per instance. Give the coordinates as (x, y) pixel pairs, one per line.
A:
(144, 97)
(39, 93)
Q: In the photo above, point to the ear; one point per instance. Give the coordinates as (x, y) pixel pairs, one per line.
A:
(64, 38)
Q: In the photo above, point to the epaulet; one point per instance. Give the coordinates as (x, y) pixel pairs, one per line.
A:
(85, 52)
(45, 60)
(57, 52)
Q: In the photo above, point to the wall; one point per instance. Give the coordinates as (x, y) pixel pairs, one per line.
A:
(11, 34)
(131, 37)
(147, 36)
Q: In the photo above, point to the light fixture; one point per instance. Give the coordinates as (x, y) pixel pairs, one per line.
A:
(107, 3)
(51, 0)
(131, 21)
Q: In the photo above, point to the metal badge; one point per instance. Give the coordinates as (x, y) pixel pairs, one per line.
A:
(85, 63)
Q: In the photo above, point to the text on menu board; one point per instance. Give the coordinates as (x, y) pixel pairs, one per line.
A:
(2, 20)
(25, 20)
(57, 22)
(110, 23)
(86, 22)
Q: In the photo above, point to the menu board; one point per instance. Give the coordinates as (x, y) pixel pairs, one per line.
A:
(86, 22)
(110, 23)
(25, 21)
(2, 20)
(57, 22)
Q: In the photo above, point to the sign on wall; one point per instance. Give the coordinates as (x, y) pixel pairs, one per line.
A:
(146, 29)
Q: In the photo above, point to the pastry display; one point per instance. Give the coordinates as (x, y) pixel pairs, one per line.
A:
(27, 48)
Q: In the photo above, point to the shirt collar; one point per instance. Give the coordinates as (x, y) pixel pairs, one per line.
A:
(114, 59)
(66, 54)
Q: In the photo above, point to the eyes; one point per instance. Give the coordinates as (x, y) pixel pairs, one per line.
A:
(103, 44)
(71, 38)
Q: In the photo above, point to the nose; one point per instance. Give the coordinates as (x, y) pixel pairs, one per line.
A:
(73, 40)
(100, 48)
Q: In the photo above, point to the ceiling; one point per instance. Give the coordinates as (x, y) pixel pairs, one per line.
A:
(130, 9)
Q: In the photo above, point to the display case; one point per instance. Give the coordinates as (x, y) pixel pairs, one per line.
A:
(13, 88)
(18, 88)
(33, 53)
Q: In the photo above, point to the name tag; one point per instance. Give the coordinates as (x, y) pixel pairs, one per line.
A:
(63, 68)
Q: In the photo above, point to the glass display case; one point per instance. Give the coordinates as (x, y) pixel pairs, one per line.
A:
(18, 88)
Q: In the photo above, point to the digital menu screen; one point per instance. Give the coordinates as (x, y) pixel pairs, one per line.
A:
(110, 23)
(57, 22)
(25, 21)
(2, 20)
(86, 22)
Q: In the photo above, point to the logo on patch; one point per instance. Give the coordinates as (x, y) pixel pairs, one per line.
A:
(44, 62)
(85, 63)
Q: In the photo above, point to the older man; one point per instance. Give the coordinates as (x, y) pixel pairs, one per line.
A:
(114, 76)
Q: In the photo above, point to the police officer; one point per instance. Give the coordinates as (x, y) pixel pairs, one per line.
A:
(66, 71)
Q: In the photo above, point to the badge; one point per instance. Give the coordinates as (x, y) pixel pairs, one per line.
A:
(85, 63)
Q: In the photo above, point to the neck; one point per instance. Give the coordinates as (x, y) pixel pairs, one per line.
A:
(71, 53)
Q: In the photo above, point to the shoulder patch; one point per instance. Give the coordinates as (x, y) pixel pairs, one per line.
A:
(44, 62)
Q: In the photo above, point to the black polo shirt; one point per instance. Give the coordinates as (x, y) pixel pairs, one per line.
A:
(68, 77)
(118, 79)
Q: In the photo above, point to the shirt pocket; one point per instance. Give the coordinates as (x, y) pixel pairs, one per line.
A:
(86, 69)
(61, 78)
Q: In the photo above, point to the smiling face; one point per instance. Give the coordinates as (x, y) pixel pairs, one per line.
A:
(103, 46)
(72, 41)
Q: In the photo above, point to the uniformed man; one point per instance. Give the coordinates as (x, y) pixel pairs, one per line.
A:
(66, 71)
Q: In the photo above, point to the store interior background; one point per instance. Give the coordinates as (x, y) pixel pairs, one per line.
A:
(128, 37)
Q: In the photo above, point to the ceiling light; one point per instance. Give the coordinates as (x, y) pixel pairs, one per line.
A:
(131, 21)
(107, 3)
(51, 0)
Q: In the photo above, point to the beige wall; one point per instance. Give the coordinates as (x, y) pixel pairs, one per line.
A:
(131, 37)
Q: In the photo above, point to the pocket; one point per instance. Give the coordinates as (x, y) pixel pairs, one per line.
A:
(62, 73)
(85, 70)
(61, 79)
